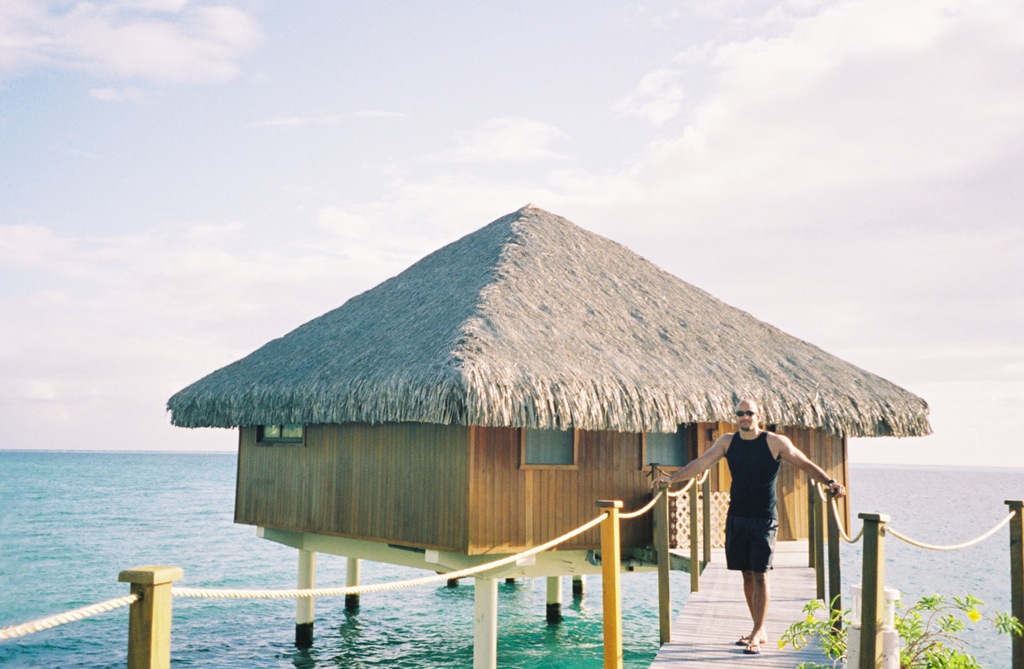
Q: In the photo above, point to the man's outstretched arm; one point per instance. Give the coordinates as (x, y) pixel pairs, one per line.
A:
(695, 467)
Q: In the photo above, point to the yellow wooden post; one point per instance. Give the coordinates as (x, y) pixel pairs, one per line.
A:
(1017, 577)
(610, 588)
(694, 545)
(661, 544)
(149, 619)
(873, 591)
(835, 580)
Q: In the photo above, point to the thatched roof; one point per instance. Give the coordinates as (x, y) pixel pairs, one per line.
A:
(532, 321)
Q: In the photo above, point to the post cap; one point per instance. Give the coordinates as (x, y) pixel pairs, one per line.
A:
(609, 504)
(150, 575)
(1014, 503)
(877, 517)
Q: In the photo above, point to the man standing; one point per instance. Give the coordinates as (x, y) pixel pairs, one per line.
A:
(754, 456)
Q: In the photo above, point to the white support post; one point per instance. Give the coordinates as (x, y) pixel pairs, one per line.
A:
(485, 623)
(304, 606)
(579, 586)
(352, 566)
(554, 613)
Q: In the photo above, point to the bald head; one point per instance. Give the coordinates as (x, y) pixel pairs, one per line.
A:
(747, 416)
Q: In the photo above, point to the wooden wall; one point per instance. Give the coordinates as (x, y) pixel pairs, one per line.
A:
(514, 508)
(403, 483)
(463, 489)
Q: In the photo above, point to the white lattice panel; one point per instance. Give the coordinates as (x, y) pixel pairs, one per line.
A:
(679, 515)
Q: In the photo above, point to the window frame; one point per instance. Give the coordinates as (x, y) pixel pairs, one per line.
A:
(689, 445)
(262, 440)
(523, 464)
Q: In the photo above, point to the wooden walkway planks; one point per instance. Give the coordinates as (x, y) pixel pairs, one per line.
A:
(714, 618)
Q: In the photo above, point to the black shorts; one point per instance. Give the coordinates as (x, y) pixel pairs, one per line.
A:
(750, 543)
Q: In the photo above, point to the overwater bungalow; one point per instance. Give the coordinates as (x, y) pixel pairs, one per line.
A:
(481, 401)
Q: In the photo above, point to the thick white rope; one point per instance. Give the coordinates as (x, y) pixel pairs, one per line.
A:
(61, 618)
(842, 531)
(382, 587)
(912, 542)
(698, 480)
(641, 511)
(835, 514)
(966, 544)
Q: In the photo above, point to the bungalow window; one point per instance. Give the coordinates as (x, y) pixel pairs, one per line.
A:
(285, 433)
(668, 449)
(548, 448)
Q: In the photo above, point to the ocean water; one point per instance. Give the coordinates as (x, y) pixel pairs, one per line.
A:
(71, 521)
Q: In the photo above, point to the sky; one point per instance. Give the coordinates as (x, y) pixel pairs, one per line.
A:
(183, 181)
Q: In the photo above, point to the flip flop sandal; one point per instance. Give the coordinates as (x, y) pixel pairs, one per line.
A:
(753, 649)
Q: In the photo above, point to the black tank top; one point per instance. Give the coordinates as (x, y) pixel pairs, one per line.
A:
(754, 472)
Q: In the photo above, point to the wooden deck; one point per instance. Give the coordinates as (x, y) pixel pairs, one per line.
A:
(713, 618)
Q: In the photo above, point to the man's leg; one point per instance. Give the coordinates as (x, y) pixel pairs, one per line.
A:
(755, 589)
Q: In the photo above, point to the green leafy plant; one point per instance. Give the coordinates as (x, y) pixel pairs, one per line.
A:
(929, 632)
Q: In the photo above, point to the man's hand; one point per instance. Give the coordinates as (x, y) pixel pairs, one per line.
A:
(667, 480)
(837, 490)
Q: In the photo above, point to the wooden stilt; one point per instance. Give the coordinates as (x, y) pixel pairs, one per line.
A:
(352, 568)
(304, 606)
(554, 610)
(485, 623)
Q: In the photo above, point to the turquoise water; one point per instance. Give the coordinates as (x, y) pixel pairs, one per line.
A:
(70, 521)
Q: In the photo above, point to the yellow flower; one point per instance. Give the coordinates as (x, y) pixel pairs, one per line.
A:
(974, 615)
(782, 644)
(810, 618)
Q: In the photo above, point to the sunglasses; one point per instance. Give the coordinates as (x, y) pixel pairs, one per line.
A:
(741, 414)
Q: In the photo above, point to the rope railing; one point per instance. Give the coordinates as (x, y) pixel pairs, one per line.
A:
(831, 501)
(913, 542)
(966, 544)
(698, 480)
(641, 511)
(383, 587)
(34, 626)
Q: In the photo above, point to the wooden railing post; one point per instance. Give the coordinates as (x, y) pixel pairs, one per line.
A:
(694, 544)
(811, 494)
(706, 491)
(819, 544)
(835, 580)
(873, 590)
(662, 523)
(149, 619)
(610, 588)
(1017, 577)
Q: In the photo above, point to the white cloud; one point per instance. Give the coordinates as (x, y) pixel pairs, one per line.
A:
(507, 139)
(127, 94)
(867, 96)
(164, 42)
(657, 98)
(328, 119)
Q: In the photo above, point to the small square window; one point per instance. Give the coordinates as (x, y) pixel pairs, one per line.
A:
(668, 449)
(548, 448)
(285, 433)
